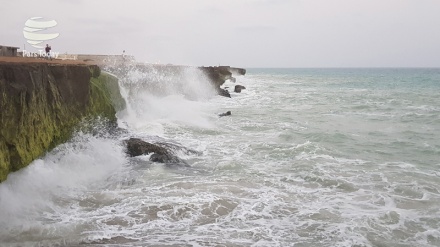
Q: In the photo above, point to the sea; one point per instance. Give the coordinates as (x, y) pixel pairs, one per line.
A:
(346, 157)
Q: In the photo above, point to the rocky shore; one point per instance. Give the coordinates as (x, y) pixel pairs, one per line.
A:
(42, 102)
(157, 74)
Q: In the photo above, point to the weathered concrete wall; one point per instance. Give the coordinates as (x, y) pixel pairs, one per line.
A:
(41, 104)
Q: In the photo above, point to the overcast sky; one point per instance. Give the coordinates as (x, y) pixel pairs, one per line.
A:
(243, 33)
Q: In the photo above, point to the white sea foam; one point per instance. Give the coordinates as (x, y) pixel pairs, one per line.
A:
(178, 100)
(31, 197)
(278, 172)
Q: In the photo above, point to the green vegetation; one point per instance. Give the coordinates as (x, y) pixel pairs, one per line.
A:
(40, 108)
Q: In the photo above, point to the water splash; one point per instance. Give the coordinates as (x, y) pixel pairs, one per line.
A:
(159, 95)
(42, 192)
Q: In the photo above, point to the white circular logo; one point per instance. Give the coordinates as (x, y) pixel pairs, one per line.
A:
(34, 31)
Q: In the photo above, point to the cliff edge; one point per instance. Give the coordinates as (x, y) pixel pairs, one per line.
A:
(41, 104)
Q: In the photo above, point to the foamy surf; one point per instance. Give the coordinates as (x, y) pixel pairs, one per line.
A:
(307, 158)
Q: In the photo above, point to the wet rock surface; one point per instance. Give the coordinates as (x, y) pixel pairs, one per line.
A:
(228, 113)
(41, 104)
(223, 92)
(161, 152)
(238, 88)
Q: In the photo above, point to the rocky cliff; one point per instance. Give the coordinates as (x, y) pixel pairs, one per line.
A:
(160, 76)
(41, 104)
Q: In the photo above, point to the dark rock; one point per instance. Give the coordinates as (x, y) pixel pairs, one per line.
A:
(136, 147)
(233, 79)
(228, 113)
(168, 159)
(217, 75)
(223, 92)
(176, 147)
(158, 77)
(237, 71)
(161, 158)
(238, 88)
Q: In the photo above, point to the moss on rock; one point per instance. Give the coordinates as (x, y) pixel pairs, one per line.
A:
(105, 89)
(41, 105)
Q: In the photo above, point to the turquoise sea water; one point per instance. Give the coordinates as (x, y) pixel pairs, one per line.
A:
(309, 157)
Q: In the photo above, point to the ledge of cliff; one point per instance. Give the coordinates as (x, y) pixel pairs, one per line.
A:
(41, 104)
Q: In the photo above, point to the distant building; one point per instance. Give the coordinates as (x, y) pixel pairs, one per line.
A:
(8, 51)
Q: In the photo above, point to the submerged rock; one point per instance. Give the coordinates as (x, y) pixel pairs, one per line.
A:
(238, 88)
(223, 92)
(171, 147)
(228, 113)
(168, 159)
(137, 147)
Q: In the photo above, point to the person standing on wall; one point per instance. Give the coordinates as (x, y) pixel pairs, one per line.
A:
(48, 48)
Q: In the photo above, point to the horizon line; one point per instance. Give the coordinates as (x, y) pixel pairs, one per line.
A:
(342, 67)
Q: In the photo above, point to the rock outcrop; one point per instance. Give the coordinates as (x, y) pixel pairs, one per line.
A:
(137, 147)
(223, 92)
(238, 88)
(41, 104)
(161, 79)
(218, 76)
(228, 113)
(236, 71)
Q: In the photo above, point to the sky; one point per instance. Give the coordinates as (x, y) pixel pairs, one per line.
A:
(241, 33)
